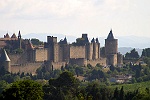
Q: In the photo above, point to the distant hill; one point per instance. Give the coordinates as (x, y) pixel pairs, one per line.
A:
(134, 42)
(124, 50)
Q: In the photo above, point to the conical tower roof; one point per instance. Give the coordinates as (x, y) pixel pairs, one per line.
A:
(65, 40)
(7, 36)
(19, 34)
(4, 56)
(13, 36)
(110, 35)
(97, 41)
(93, 40)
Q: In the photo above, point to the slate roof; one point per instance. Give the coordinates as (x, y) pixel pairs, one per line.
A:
(4, 56)
(110, 35)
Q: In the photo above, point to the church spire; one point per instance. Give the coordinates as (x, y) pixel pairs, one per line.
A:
(110, 35)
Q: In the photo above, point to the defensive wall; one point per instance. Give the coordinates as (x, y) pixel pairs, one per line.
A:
(78, 61)
(40, 54)
(77, 51)
(101, 61)
(26, 68)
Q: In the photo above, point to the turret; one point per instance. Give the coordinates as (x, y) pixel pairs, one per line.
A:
(110, 35)
(5, 61)
(93, 40)
(85, 37)
(97, 41)
(111, 49)
(63, 41)
(96, 48)
(6, 36)
(53, 49)
(19, 40)
(14, 36)
(111, 44)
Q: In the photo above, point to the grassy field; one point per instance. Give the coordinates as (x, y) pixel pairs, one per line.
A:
(132, 87)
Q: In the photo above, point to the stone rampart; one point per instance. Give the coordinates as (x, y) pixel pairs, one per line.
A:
(40, 54)
(78, 61)
(77, 51)
(58, 65)
(18, 58)
(101, 61)
(26, 68)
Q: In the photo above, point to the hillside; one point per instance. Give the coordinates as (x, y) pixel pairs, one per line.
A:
(132, 87)
(124, 50)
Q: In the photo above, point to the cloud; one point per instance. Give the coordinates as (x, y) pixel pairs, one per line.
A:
(76, 16)
(57, 9)
(47, 8)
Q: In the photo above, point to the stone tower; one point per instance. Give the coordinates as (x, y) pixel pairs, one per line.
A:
(96, 49)
(19, 40)
(111, 49)
(52, 49)
(5, 61)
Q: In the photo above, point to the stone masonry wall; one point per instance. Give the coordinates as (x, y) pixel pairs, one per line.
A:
(60, 53)
(77, 51)
(26, 68)
(78, 61)
(18, 58)
(58, 65)
(112, 59)
(111, 46)
(101, 61)
(41, 54)
(56, 52)
(89, 49)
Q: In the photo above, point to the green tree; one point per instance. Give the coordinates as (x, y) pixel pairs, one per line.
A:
(116, 94)
(133, 80)
(35, 41)
(146, 52)
(65, 85)
(137, 73)
(23, 90)
(121, 93)
(133, 54)
(3, 85)
(66, 80)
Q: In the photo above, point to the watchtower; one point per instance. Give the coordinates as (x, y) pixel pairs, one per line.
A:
(5, 61)
(111, 49)
(53, 49)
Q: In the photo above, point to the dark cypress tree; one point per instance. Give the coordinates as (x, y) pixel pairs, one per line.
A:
(121, 94)
(116, 94)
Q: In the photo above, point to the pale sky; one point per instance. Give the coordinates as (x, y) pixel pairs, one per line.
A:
(74, 17)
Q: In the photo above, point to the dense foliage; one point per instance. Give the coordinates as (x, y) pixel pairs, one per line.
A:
(146, 52)
(35, 41)
(73, 82)
(133, 54)
(23, 90)
(67, 87)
